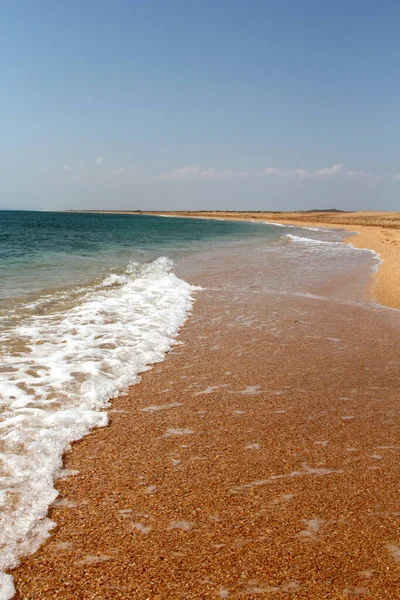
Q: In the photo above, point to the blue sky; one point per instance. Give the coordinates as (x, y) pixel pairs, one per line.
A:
(171, 104)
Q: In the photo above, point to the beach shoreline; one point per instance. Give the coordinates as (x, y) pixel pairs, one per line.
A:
(259, 459)
(379, 232)
(374, 230)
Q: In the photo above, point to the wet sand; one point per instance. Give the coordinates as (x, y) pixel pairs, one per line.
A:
(378, 231)
(259, 460)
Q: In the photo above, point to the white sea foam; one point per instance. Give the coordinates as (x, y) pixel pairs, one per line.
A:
(294, 226)
(7, 589)
(115, 279)
(57, 372)
(311, 241)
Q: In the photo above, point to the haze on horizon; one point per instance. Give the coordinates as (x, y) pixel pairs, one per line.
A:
(180, 105)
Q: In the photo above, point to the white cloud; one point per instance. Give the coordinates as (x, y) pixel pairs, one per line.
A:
(195, 174)
(215, 174)
(126, 173)
(179, 174)
(335, 170)
(396, 177)
(338, 170)
(274, 171)
(208, 174)
(357, 174)
(118, 172)
(301, 173)
(199, 174)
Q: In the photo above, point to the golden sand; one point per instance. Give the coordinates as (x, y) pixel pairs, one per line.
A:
(259, 461)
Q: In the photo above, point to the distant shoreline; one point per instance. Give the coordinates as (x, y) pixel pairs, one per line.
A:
(389, 220)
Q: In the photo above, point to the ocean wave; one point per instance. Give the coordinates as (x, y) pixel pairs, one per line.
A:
(63, 370)
(294, 226)
(311, 241)
(114, 279)
(327, 246)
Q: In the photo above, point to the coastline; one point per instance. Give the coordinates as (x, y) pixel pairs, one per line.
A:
(259, 459)
(378, 232)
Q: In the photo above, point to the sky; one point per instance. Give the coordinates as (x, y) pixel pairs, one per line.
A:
(189, 104)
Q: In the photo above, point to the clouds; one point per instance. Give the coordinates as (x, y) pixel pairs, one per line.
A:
(180, 174)
(80, 181)
(198, 174)
(335, 170)
(119, 171)
(324, 173)
(98, 172)
(195, 174)
(129, 174)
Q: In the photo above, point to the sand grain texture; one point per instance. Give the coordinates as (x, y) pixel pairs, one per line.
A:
(269, 470)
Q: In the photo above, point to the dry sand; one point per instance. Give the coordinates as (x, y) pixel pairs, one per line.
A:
(259, 461)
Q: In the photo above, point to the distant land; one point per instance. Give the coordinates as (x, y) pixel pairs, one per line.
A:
(331, 217)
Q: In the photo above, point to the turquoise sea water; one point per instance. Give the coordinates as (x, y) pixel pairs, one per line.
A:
(39, 250)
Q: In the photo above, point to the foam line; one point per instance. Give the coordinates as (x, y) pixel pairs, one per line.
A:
(55, 385)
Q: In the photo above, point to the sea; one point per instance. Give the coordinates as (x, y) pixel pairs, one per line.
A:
(89, 301)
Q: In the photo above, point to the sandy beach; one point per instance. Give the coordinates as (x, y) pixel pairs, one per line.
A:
(200, 402)
(259, 460)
